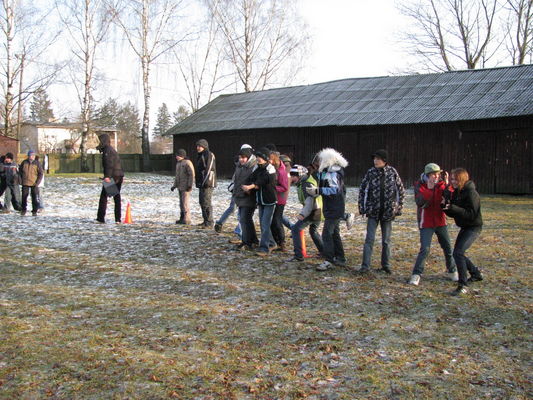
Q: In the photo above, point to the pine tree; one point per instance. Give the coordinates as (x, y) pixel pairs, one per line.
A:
(41, 107)
(181, 114)
(163, 122)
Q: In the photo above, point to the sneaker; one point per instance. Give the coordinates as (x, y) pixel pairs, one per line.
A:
(243, 247)
(386, 270)
(339, 263)
(235, 241)
(99, 221)
(476, 278)
(363, 270)
(273, 248)
(23, 212)
(34, 213)
(453, 276)
(324, 266)
(350, 217)
(295, 259)
(415, 280)
(461, 290)
(180, 222)
(218, 228)
(261, 253)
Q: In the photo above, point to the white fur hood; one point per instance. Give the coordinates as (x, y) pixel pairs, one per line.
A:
(330, 158)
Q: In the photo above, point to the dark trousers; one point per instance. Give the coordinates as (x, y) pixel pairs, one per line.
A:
(331, 238)
(34, 190)
(204, 198)
(102, 205)
(313, 232)
(465, 239)
(276, 227)
(12, 196)
(249, 235)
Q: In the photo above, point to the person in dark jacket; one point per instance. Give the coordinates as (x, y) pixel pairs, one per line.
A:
(432, 220)
(206, 180)
(112, 170)
(464, 206)
(10, 183)
(381, 200)
(263, 182)
(331, 188)
(245, 200)
(31, 174)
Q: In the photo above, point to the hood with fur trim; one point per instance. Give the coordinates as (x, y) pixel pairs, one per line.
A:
(330, 158)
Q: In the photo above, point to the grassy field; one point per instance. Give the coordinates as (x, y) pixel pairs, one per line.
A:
(157, 311)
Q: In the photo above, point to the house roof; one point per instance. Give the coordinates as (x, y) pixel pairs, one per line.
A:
(389, 100)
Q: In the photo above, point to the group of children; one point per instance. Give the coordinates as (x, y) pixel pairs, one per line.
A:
(262, 179)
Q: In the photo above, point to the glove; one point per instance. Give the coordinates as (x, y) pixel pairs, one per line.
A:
(172, 188)
(312, 190)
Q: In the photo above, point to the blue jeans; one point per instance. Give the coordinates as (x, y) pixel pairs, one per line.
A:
(226, 214)
(426, 234)
(286, 221)
(331, 238)
(465, 239)
(386, 229)
(265, 220)
(313, 232)
(12, 197)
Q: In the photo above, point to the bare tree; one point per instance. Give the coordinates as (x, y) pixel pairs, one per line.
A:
(451, 34)
(87, 24)
(150, 28)
(22, 71)
(262, 37)
(519, 30)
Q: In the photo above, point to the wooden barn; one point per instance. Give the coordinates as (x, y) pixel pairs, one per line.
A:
(9, 145)
(478, 119)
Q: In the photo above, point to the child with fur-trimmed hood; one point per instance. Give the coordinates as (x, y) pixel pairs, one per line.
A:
(331, 188)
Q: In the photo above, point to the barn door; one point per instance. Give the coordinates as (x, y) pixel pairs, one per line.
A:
(514, 170)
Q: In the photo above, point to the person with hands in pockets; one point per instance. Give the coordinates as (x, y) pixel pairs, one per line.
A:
(184, 181)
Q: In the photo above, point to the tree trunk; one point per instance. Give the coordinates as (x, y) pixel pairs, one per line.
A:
(145, 137)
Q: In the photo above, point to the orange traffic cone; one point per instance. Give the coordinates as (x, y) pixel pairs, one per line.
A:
(127, 218)
(302, 239)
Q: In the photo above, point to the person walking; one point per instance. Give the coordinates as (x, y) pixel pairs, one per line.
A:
(282, 192)
(10, 183)
(381, 199)
(310, 213)
(464, 206)
(31, 174)
(206, 180)
(183, 181)
(112, 169)
(263, 182)
(245, 200)
(432, 220)
(331, 187)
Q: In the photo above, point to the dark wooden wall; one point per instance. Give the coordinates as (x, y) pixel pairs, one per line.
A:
(497, 153)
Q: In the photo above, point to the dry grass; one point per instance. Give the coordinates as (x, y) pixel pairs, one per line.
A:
(150, 311)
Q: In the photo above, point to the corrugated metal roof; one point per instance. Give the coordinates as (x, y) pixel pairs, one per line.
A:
(449, 96)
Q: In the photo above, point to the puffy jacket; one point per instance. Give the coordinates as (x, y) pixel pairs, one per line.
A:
(331, 183)
(465, 206)
(241, 177)
(10, 173)
(31, 173)
(370, 193)
(265, 177)
(110, 159)
(184, 175)
(282, 184)
(206, 170)
(428, 201)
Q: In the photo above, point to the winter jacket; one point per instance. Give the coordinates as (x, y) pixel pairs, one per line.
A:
(206, 175)
(428, 201)
(31, 173)
(282, 184)
(465, 206)
(184, 175)
(381, 194)
(10, 172)
(110, 158)
(265, 177)
(331, 183)
(312, 206)
(241, 177)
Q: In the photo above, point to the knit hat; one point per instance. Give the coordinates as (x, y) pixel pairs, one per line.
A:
(203, 143)
(382, 154)
(246, 152)
(30, 152)
(181, 153)
(246, 146)
(431, 167)
(298, 170)
(9, 155)
(285, 158)
(263, 152)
